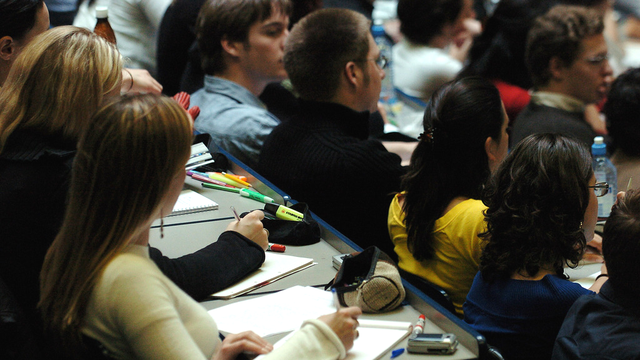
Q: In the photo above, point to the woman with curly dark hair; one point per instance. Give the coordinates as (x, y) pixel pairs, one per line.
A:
(434, 224)
(542, 211)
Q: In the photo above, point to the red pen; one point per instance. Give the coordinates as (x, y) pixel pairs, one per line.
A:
(276, 247)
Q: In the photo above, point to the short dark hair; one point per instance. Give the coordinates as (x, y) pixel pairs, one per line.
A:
(17, 17)
(230, 19)
(559, 33)
(622, 109)
(621, 244)
(421, 20)
(498, 53)
(318, 48)
(536, 204)
(302, 8)
(450, 159)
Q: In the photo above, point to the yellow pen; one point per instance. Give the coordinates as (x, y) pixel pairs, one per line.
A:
(220, 177)
(235, 178)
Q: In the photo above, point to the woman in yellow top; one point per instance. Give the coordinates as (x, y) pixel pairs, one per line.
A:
(434, 223)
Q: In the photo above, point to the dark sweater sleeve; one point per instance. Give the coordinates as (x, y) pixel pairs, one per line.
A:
(214, 267)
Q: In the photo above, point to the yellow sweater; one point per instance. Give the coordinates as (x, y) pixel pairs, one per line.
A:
(457, 248)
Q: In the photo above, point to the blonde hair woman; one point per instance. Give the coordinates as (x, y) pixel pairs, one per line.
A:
(53, 88)
(98, 280)
(58, 82)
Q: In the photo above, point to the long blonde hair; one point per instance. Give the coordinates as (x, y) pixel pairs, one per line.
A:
(126, 161)
(58, 82)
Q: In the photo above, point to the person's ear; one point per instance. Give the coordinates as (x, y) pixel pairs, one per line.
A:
(492, 148)
(233, 48)
(7, 48)
(351, 71)
(556, 68)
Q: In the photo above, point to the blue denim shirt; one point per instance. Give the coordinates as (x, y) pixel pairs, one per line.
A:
(235, 118)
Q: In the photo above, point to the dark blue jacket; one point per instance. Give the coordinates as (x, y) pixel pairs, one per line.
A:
(601, 326)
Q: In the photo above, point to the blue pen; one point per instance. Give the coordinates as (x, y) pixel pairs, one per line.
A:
(397, 352)
(198, 154)
(336, 300)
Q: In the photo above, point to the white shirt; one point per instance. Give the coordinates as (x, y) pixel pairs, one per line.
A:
(135, 23)
(419, 70)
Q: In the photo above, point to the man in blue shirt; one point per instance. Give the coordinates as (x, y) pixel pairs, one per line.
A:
(242, 47)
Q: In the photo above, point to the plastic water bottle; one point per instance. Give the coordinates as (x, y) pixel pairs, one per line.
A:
(387, 92)
(604, 170)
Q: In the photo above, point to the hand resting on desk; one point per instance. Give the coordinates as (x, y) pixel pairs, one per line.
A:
(343, 323)
(251, 227)
(248, 341)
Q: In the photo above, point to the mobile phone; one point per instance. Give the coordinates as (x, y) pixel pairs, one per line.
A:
(443, 344)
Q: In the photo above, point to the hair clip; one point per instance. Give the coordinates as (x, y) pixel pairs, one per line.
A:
(427, 135)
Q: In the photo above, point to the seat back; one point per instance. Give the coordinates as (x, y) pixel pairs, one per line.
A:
(18, 339)
(433, 291)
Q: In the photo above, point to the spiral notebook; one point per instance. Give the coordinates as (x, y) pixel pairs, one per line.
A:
(275, 267)
(190, 201)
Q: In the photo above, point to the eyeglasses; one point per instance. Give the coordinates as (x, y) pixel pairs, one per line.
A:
(600, 188)
(381, 61)
(598, 59)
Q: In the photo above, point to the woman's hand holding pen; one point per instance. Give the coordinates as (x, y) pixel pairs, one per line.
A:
(251, 227)
(344, 323)
(247, 341)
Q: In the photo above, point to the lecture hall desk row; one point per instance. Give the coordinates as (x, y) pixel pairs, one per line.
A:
(188, 233)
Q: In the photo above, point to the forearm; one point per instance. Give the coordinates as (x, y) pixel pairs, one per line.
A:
(139, 81)
(314, 341)
(214, 267)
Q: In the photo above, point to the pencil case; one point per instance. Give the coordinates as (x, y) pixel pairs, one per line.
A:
(297, 233)
(369, 280)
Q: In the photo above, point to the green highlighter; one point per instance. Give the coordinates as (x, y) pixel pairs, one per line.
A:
(254, 195)
(220, 187)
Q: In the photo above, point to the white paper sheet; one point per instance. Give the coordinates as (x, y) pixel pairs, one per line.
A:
(377, 337)
(275, 313)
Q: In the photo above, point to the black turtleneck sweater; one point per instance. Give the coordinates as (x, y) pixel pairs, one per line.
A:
(323, 157)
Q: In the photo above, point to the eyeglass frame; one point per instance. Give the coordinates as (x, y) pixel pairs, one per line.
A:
(597, 60)
(602, 186)
(381, 61)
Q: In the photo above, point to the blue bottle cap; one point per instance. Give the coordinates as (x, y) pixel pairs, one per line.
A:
(377, 30)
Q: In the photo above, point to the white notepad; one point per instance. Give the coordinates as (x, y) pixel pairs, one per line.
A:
(190, 201)
(376, 339)
(275, 267)
(286, 310)
(200, 156)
